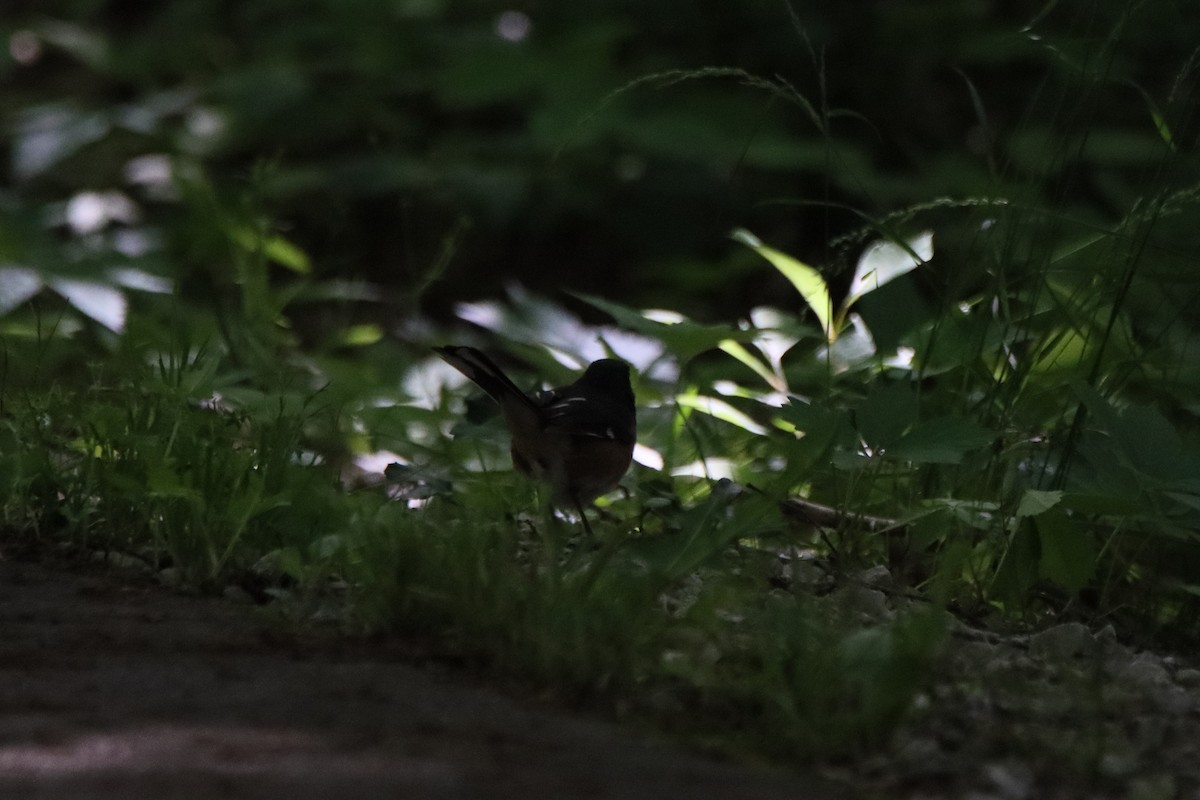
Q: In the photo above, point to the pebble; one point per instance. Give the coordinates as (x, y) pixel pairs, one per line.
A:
(878, 577)
(1188, 677)
(1146, 671)
(1062, 642)
(121, 560)
(237, 594)
(1012, 780)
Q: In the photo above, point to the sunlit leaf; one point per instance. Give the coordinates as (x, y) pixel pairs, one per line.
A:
(686, 339)
(884, 261)
(648, 457)
(17, 285)
(739, 351)
(806, 279)
(853, 349)
(275, 248)
(99, 301)
(48, 134)
(777, 334)
(360, 335)
(719, 409)
(140, 280)
(1164, 129)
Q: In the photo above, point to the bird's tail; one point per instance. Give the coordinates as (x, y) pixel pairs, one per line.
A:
(482, 370)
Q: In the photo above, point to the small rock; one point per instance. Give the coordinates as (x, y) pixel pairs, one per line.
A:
(1118, 764)
(1174, 700)
(1156, 787)
(326, 614)
(972, 656)
(1188, 677)
(119, 560)
(1012, 780)
(919, 750)
(808, 573)
(1146, 671)
(1006, 663)
(869, 603)
(237, 594)
(877, 577)
(1062, 642)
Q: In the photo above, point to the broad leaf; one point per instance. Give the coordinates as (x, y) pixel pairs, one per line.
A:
(99, 301)
(1068, 554)
(17, 284)
(885, 261)
(807, 280)
(886, 414)
(685, 339)
(941, 441)
(1035, 502)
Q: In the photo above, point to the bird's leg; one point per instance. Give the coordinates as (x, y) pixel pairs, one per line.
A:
(583, 516)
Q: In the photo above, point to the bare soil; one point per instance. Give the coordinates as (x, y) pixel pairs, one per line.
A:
(115, 688)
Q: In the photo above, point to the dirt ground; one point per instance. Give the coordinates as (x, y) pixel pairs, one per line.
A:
(112, 688)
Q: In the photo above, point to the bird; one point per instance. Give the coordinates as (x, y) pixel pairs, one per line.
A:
(577, 438)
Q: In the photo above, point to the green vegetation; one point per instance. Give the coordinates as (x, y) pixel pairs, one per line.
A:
(922, 262)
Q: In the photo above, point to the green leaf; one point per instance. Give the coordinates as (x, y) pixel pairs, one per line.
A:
(1146, 440)
(1069, 554)
(17, 284)
(684, 338)
(275, 248)
(101, 302)
(721, 410)
(360, 335)
(941, 441)
(1017, 570)
(739, 351)
(806, 279)
(1035, 502)
(884, 261)
(886, 414)
(1164, 130)
(705, 530)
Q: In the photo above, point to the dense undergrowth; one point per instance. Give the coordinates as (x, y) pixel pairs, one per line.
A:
(1004, 378)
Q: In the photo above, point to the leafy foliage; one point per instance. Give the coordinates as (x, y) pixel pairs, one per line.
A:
(967, 313)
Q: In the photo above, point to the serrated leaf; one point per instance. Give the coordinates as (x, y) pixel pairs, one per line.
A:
(886, 414)
(941, 441)
(1035, 502)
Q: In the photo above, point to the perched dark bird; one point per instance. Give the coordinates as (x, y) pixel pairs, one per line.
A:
(578, 438)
